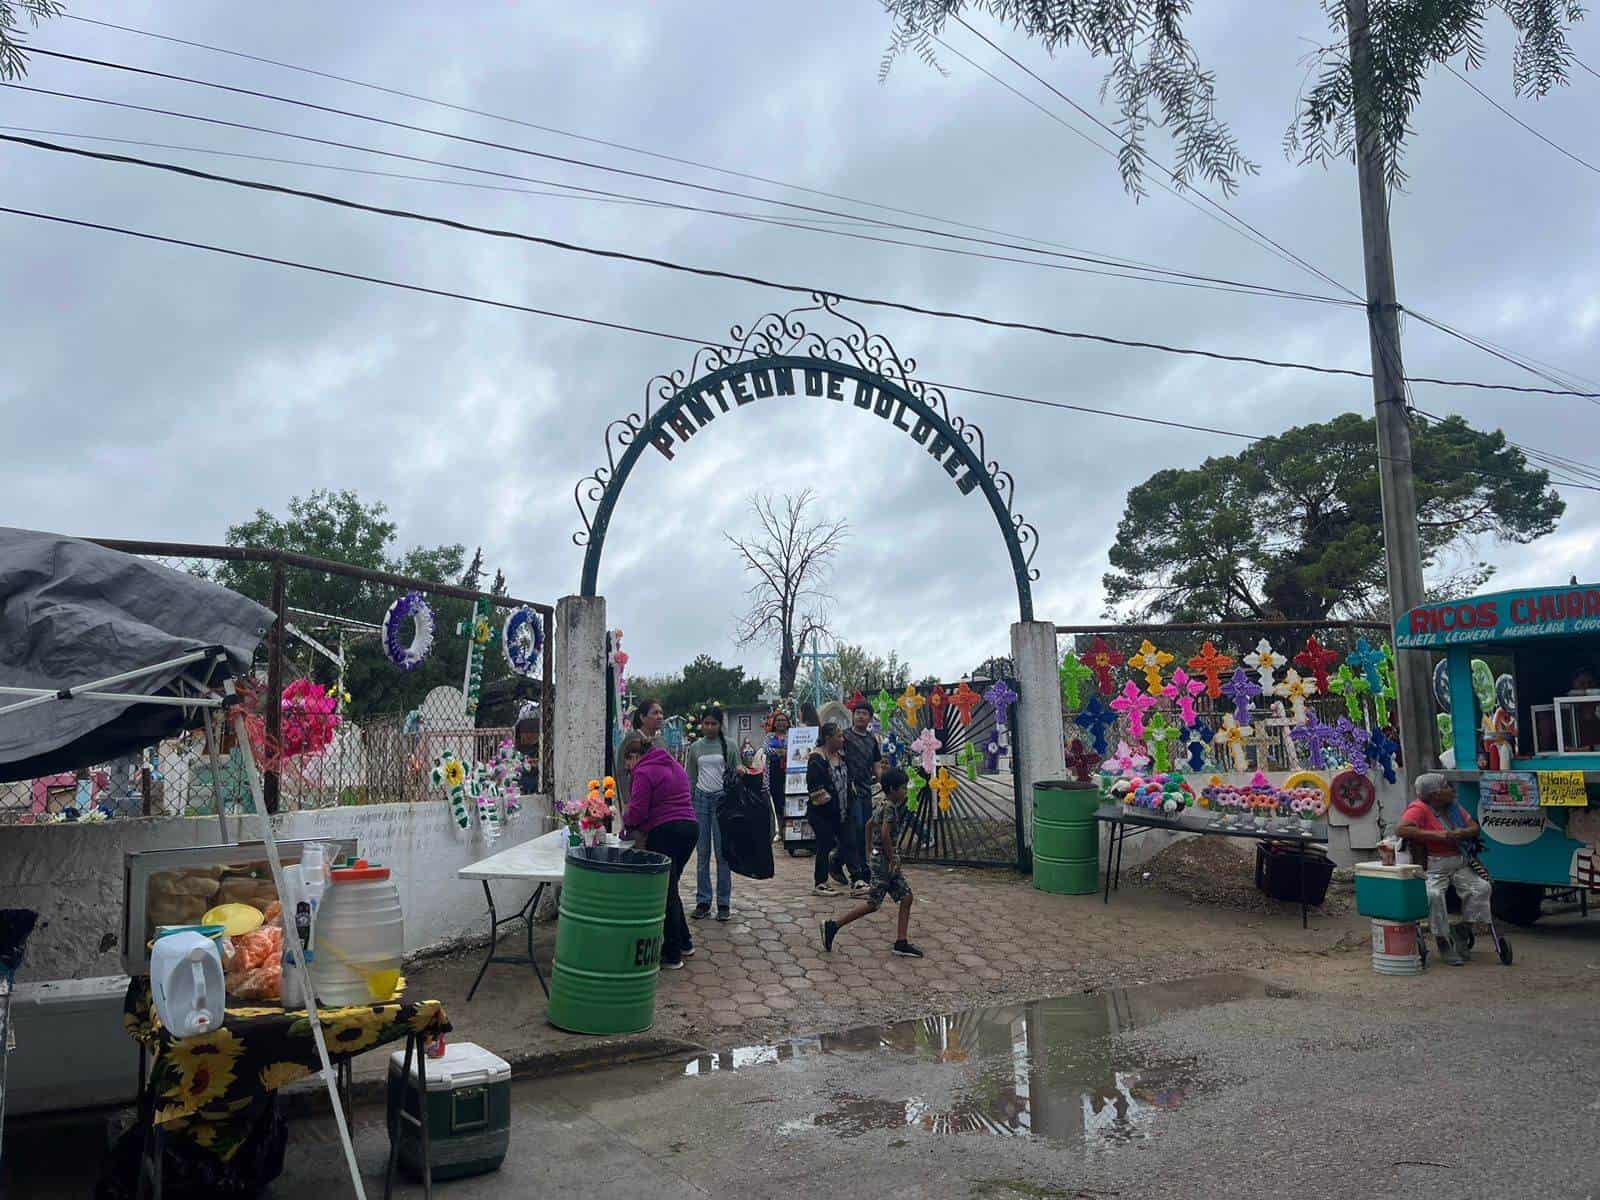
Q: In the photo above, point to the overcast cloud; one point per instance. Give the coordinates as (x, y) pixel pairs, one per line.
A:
(154, 392)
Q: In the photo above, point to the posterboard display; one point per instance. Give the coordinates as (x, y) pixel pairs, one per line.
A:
(802, 740)
(1562, 789)
(1518, 790)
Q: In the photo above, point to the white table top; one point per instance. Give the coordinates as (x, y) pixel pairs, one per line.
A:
(539, 860)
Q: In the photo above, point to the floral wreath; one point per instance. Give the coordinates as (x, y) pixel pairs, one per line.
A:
(522, 640)
(410, 607)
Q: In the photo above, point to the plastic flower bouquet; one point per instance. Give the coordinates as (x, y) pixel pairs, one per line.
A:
(587, 818)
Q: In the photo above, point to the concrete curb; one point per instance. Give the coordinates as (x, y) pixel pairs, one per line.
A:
(309, 1097)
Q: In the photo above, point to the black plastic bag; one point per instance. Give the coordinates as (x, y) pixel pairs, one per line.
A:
(192, 1172)
(745, 817)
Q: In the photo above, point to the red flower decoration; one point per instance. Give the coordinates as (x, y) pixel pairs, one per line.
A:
(965, 700)
(1100, 659)
(937, 699)
(1317, 659)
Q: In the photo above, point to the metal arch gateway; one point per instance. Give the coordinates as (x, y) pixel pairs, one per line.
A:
(779, 357)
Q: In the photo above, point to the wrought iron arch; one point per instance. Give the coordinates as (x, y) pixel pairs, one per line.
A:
(780, 342)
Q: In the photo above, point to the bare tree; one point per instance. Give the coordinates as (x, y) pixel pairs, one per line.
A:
(790, 556)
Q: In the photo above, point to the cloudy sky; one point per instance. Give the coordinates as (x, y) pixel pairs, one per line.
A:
(155, 392)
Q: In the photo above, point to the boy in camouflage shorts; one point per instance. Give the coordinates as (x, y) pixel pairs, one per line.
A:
(882, 832)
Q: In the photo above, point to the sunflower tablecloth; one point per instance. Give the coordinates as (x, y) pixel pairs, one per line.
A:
(207, 1086)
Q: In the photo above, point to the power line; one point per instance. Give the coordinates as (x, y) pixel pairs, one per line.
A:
(1100, 339)
(1543, 371)
(1205, 283)
(492, 231)
(567, 133)
(565, 159)
(1511, 116)
(1172, 175)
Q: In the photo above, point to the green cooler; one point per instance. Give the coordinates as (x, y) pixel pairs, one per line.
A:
(469, 1111)
(1391, 893)
(1066, 840)
(608, 941)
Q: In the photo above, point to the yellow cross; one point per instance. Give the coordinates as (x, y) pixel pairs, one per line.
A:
(911, 704)
(943, 784)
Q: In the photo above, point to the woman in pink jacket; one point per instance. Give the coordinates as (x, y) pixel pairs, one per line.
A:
(661, 816)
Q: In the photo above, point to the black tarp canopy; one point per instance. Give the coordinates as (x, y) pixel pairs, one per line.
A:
(72, 613)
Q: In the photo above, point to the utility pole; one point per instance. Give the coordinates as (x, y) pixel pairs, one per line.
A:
(1402, 550)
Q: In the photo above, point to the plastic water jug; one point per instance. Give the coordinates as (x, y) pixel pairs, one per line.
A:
(360, 937)
(186, 982)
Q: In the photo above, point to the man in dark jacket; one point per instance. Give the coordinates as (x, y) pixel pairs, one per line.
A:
(865, 762)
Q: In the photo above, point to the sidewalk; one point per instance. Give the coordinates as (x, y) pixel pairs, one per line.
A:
(988, 935)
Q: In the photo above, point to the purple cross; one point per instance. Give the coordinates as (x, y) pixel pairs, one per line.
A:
(1316, 737)
(1002, 696)
(1352, 740)
(991, 754)
(1094, 720)
(1367, 660)
(1241, 689)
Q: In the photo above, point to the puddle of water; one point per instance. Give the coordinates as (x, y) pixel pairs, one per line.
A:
(1048, 1068)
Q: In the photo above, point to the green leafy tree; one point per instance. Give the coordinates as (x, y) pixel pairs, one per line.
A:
(855, 668)
(341, 527)
(703, 681)
(1157, 80)
(1290, 528)
(13, 59)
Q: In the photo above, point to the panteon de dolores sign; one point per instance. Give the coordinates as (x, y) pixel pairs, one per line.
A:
(779, 361)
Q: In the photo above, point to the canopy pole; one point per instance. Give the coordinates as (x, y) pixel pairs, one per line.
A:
(269, 842)
(216, 772)
(45, 695)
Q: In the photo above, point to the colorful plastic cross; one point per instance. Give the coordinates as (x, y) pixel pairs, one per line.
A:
(1200, 736)
(1183, 690)
(1350, 687)
(964, 700)
(1352, 744)
(914, 785)
(911, 703)
(1380, 749)
(1101, 659)
(1366, 659)
(1133, 704)
(970, 758)
(1159, 735)
(1095, 719)
(1264, 661)
(1296, 689)
(883, 704)
(991, 753)
(943, 784)
(1080, 761)
(893, 750)
(1150, 661)
(1211, 664)
(1317, 659)
(937, 699)
(1073, 676)
(480, 633)
(1317, 738)
(926, 746)
(1002, 696)
(1241, 689)
(1231, 738)
(1128, 760)
(858, 698)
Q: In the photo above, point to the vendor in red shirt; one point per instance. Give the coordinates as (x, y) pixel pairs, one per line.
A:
(1434, 826)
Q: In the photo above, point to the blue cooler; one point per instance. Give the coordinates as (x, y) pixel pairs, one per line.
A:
(1391, 893)
(468, 1111)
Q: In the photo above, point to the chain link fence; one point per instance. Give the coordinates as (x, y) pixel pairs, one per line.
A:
(386, 727)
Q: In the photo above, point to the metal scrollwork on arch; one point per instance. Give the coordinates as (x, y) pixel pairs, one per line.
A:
(787, 340)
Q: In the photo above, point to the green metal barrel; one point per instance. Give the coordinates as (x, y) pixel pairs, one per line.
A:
(1066, 844)
(608, 942)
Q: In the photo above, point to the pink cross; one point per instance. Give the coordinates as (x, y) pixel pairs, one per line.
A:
(927, 744)
(1183, 690)
(1133, 704)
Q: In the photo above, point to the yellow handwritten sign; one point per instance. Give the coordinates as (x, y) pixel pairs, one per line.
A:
(1562, 789)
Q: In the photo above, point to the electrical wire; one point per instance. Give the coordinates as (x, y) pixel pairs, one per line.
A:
(1219, 285)
(1511, 116)
(624, 327)
(1167, 171)
(567, 160)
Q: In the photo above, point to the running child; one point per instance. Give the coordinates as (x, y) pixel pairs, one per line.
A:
(883, 831)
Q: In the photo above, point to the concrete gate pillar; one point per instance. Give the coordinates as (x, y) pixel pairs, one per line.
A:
(1038, 715)
(578, 724)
